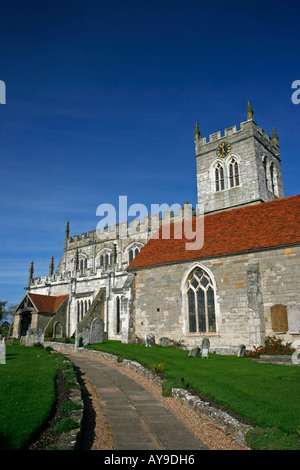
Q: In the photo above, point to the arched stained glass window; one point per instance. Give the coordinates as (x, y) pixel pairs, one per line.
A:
(201, 302)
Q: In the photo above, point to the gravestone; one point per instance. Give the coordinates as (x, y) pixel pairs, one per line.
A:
(34, 336)
(293, 312)
(96, 331)
(205, 348)
(2, 352)
(58, 331)
(241, 351)
(150, 340)
(195, 352)
(164, 342)
(82, 335)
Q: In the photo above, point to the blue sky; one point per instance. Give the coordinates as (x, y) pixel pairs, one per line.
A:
(102, 99)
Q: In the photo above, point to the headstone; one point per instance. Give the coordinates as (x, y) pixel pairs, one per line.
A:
(205, 348)
(34, 336)
(164, 342)
(241, 350)
(58, 331)
(195, 352)
(96, 331)
(150, 340)
(2, 352)
(82, 335)
(293, 312)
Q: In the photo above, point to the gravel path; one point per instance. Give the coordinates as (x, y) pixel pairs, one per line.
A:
(102, 438)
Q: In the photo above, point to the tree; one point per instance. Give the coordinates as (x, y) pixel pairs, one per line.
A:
(6, 311)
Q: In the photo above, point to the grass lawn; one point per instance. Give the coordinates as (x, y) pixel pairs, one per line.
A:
(267, 395)
(27, 393)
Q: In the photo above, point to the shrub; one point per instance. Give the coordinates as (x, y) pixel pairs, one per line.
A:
(70, 384)
(273, 346)
(69, 374)
(66, 425)
(158, 368)
(70, 406)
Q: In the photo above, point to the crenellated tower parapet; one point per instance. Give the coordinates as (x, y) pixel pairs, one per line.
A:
(238, 166)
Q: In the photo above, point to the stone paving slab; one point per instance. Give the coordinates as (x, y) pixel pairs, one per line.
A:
(138, 421)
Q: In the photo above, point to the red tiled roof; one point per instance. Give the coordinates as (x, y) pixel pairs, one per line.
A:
(265, 225)
(47, 303)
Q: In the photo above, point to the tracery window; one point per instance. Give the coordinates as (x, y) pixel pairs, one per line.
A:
(133, 252)
(201, 302)
(234, 177)
(219, 177)
(105, 260)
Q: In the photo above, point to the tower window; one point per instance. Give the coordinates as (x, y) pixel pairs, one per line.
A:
(234, 178)
(219, 177)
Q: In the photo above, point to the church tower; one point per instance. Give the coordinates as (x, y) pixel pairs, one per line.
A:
(242, 167)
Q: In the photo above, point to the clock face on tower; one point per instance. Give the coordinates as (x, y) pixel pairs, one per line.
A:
(223, 149)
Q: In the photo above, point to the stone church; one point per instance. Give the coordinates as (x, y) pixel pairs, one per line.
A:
(238, 286)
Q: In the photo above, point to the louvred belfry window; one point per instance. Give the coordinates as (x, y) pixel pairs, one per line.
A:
(234, 178)
(219, 177)
(201, 302)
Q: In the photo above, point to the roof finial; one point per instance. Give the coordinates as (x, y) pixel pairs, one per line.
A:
(197, 133)
(67, 229)
(275, 138)
(51, 267)
(31, 271)
(250, 112)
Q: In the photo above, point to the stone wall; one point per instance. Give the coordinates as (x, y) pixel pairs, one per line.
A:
(246, 288)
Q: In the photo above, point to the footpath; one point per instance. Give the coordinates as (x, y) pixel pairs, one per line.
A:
(138, 421)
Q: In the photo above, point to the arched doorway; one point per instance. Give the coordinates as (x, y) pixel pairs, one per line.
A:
(25, 323)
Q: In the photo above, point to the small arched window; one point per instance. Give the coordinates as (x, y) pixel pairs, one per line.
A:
(234, 177)
(201, 302)
(133, 252)
(219, 177)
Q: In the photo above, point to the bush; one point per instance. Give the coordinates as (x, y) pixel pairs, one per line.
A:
(70, 384)
(273, 346)
(158, 368)
(66, 425)
(70, 406)
(272, 439)
(69, 374)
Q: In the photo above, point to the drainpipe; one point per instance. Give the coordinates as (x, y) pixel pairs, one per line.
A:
(68, 308)
(107, 299)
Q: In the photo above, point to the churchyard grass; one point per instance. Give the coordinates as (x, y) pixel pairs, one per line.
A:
(27, 394)
(267, 395)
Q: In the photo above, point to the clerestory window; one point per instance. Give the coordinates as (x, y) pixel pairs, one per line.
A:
(133, 252)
